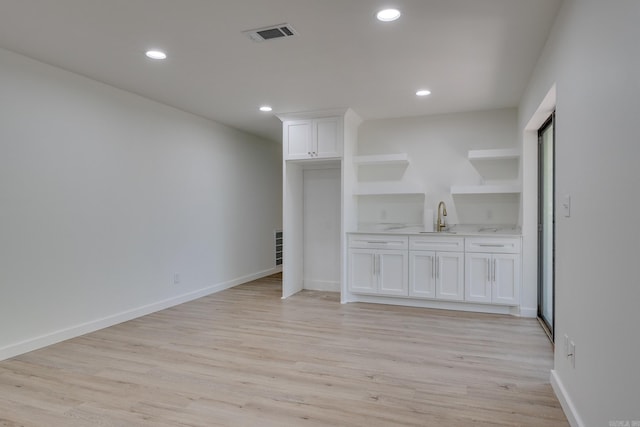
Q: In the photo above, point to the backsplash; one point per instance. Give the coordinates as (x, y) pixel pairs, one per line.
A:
(437, 148)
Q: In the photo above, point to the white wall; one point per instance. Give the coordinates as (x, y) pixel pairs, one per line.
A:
(437, 147)
(592, 58)
(105, 195)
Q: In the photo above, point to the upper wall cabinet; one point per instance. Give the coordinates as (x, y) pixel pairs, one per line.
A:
(318, 138)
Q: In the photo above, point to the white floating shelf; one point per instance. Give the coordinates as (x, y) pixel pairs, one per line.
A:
(496, 154)
(487, 189)
(382, 159)
(381, 188)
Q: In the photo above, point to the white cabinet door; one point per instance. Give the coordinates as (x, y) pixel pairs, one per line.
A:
(422, 274)
(392, 270)
(327, 141)
(492, 278)
(450, 276)
(362, 271)
(506, 279)
(478, 277)
(298, 140)
(379, 272)
(312, 138)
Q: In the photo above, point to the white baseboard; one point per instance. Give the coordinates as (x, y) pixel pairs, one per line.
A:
(528, 312)
(321, 285)
(35, 343)
(565, 401)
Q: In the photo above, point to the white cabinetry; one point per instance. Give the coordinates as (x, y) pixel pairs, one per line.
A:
(312, 141)
(436, 267)
(478, 277)
(378, 264)
(492, 270)
(319, 138)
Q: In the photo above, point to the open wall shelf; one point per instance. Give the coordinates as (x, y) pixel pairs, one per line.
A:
(494, 154)
(382, 159)
(488, 162)
(506, 188)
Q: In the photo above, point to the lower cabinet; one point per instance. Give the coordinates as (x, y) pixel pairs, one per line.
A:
(362, 271)
(478, 277)
(506, 279)
(436, 274)
(493, 276)
(472, 269)
(378, 271)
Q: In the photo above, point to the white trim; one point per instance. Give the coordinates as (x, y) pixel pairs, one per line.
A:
(306, 115)
(529, 198)
(41, 341)
(321, 285)
(565, 400)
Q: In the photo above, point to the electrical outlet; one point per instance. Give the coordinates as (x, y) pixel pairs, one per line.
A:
(572, 354)
(566, 346)
(176, 278)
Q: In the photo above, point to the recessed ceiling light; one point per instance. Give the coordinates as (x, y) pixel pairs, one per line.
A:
(387, 15)
(266, 108)
(156, 54)
(423, 92)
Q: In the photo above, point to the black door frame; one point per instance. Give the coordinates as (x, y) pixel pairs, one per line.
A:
(550, 329)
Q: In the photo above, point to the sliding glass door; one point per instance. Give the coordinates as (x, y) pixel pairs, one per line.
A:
(546, 223)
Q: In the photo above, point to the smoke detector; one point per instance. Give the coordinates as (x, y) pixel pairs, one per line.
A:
(270, 33)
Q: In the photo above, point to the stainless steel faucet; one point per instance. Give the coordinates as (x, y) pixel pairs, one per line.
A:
(441, 225)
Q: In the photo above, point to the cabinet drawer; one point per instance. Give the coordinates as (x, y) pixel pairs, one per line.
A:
(493, 245)
(378, 241)
(436, 243)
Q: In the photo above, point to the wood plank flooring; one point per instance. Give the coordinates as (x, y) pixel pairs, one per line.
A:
(244, 357)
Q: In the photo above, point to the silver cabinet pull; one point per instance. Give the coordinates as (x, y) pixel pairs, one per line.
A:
(494, 269)
(433, 267)
(487, 245)
(488, 270)
(437, 267)
(374, 264)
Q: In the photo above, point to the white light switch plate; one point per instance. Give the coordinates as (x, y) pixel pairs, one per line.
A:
(566, 206)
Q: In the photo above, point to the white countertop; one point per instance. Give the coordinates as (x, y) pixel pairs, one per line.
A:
(453, 230)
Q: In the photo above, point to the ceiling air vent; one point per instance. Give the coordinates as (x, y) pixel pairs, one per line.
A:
(269, 33)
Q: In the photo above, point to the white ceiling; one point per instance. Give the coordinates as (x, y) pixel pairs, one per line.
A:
(472, 54)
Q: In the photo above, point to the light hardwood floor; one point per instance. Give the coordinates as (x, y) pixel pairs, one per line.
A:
(244, 357)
